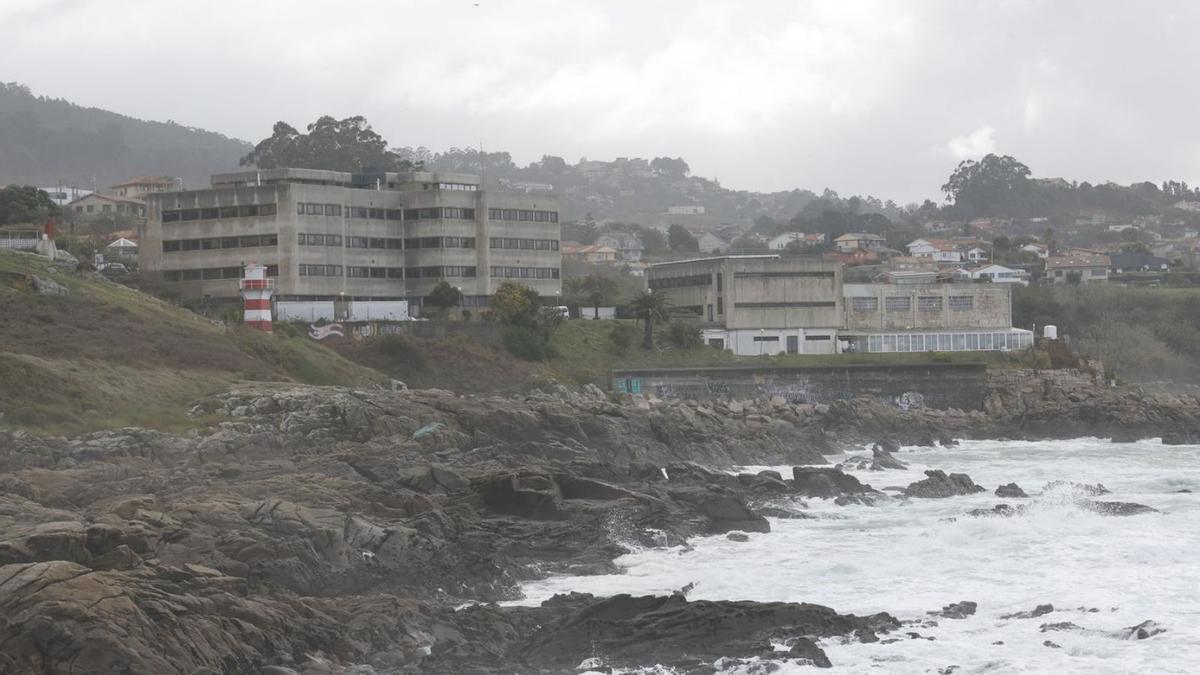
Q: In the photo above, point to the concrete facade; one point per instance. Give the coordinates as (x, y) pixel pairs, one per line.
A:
(772, 304)
(761, 304)
(329, 234)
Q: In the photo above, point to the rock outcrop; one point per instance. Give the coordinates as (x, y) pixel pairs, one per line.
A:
(938, 485)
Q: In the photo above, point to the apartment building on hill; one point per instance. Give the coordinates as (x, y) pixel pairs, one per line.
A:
(326, 235)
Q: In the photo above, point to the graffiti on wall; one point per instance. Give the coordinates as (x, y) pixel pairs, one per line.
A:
(328, 330)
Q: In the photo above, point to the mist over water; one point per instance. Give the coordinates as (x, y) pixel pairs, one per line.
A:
(908, 557)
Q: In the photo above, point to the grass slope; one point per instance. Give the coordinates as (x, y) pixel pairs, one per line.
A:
(105, 356)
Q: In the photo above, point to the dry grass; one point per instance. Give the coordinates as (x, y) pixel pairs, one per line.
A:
(106, 356)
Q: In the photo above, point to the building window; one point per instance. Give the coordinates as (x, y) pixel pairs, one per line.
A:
(307, 270)
(523, 244)
(664, 283)
(897, 304)
(784, 305)
(525, 272)
(864, 304)
(523, 215)
(962, 303)
(929, 303)
(766, 338)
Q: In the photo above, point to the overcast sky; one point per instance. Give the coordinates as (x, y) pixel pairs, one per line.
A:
(873, 97)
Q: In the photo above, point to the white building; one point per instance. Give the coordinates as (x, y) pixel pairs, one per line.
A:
(711, 243)
(999, 274)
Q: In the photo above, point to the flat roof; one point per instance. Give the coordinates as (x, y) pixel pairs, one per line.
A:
(718, 257)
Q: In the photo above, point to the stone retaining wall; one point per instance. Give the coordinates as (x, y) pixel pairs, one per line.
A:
(960, 385)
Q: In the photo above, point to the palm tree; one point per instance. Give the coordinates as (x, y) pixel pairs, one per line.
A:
(600, 291)
(648, 307)
(574, 290)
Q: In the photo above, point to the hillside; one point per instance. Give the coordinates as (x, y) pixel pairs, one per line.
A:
(47, 142)
(102, 355)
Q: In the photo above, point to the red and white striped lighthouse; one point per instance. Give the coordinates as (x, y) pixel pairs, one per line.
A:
(256, 292)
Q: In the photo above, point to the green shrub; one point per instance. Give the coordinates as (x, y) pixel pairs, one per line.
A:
(683, 335)
(400, 349)
(525, 343)
(622, 336)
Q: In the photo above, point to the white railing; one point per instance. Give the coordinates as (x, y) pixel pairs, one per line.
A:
(23, 243)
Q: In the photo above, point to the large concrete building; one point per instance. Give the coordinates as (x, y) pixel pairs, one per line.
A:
(325, 235)
(760, 304)
(772, 304)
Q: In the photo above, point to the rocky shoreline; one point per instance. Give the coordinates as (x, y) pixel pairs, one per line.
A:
(333, 530)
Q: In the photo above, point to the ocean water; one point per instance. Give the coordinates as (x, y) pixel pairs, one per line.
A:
(909, 557)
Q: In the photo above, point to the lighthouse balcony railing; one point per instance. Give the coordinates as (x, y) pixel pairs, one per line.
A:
(256, 284)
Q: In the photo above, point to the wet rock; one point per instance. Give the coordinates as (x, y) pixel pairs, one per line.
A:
(435, 480)
(957, 610)
(883, 459)
(724, 511)
(1143, 630)
(737, 536)
(1002, 510)
(1051, 644)
(887, 445)
(1181, 437)
(1010, 491)
(1117, 508)
(1040, 610)
(782, 513)
(1083, 488)
(760, 483)
(1058, 626)
(825, 483)
(529, 495)
(808, 653)
(939, 485)
(686, 634)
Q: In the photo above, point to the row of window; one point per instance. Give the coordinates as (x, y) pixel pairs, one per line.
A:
(212, 243)
(523, 215)
(786, 275)
(932, 303)
(375, 242)
(444, 212)
(949, 342)
(210, 273)
(439, 242)
(216, 213)
(306, 239)
(308, 270)
(319, 239)
(441, 272)
(525, 272)
(524, 244)
(337, 211)
(375, 272)
(363, 272)
(680, 282)
(784, 305)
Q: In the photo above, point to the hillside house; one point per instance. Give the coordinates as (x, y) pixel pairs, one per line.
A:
(999, 274)
(847, 243)
(629, 247)
(1091, 268)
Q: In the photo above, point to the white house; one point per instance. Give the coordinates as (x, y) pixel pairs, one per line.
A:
(711, 243)
(781, 242)
(999, 274)
(847, 243)
(629, 246)
(1039, 249)
(921, 248)
(977, 254)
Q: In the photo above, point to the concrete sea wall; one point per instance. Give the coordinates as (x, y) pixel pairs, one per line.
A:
(959, 385)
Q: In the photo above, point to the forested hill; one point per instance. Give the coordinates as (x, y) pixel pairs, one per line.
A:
(47, 141)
